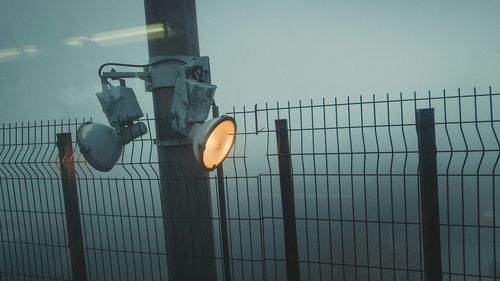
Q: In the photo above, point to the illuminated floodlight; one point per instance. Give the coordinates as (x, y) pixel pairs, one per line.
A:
(213, 140)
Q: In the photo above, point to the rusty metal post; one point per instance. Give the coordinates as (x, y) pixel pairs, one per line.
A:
(71, 205)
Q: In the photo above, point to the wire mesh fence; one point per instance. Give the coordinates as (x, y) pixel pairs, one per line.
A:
(355, 174)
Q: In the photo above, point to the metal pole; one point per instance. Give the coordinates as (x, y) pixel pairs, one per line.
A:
(429, 194)
(222, 213)
(70, 193)
(287, 200)
(185, 188)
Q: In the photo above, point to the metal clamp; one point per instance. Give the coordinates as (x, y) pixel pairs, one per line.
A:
(175, 142)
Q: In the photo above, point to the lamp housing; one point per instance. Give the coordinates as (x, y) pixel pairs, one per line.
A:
(120, 105)
(213, 140)
(100, 145)
(191, 103)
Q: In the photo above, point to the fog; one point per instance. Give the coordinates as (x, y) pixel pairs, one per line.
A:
(261, 53)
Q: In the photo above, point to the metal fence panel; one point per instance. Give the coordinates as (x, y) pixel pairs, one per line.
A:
(355, 174)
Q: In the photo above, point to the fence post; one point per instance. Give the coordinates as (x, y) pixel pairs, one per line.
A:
(287, 200)
(222, 212)
(70, 193)
(429, 201)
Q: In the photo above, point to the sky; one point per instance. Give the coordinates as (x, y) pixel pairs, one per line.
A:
(260, 51)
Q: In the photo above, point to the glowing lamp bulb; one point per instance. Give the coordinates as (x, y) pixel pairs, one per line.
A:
(213, 141)
(219, 143)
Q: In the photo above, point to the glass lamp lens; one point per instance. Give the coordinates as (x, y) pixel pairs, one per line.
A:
(219, 144)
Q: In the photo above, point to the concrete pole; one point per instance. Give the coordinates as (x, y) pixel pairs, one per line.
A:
(185, 189)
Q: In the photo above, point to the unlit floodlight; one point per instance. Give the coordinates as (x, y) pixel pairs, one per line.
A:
(102, 145)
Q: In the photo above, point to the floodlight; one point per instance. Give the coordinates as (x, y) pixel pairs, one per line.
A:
(102, 145)
(213, 140)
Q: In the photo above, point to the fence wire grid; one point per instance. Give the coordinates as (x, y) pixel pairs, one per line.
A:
(355, 166)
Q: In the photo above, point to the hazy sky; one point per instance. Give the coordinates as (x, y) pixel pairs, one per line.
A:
(260, 51)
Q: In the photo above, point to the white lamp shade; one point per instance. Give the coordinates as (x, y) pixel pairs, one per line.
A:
(100, 145)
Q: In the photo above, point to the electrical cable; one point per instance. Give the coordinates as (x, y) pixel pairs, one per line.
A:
(99, 72)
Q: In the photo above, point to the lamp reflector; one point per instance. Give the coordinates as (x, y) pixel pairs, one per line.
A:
(100, 145)
(213, 140)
